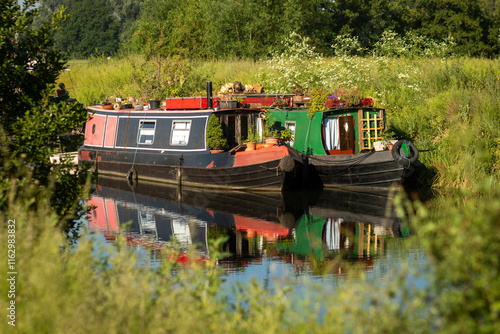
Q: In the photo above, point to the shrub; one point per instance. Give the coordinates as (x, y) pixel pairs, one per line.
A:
(215, 135)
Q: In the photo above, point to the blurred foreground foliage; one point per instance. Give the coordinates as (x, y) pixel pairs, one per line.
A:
(95, 287)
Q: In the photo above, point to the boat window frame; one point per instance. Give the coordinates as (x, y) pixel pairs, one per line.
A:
(173, 130)
(139, 130)
(287, 126)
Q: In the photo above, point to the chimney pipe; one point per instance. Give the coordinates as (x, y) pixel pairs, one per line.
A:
(209, 95)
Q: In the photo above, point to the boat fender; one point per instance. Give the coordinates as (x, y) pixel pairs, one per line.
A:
(287, 164)
(132, 177)
(403, 159)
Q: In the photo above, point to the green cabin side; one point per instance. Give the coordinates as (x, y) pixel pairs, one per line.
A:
(367, 124)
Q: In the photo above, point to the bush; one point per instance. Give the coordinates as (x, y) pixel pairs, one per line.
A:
(215, 135)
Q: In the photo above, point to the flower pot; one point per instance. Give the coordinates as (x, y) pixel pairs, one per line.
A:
(154, 104)
(250, 146)
(271, 140)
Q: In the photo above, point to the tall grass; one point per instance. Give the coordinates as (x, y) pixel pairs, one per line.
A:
(94, 80)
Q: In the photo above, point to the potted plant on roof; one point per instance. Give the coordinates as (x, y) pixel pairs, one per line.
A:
(271, 135)
(215, 136)
(251, 140)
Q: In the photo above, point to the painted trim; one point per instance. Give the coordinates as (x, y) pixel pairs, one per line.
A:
(106, 131)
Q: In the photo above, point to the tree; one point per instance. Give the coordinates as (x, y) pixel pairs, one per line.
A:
(227, 28)
(464, 21)
(127, 12)
(32, 119)
(91, 29)
(367, 20)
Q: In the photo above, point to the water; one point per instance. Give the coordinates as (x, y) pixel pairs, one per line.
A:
(316, 236)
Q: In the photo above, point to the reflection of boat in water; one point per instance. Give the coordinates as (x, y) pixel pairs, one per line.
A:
(158, 213)
(374, 207)
(342, 226)
(324, 224)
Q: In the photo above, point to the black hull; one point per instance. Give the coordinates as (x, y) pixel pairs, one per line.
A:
(181, 170)
(375, 170)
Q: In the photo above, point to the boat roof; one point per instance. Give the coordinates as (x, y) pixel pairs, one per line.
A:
(99, 108)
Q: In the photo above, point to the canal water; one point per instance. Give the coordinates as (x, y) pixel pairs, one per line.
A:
(313, 235)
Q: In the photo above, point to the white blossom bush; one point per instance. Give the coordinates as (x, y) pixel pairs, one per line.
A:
(299, 65)
(346, 45)
(411, 45)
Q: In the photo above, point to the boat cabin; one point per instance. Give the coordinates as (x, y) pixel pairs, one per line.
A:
(337, 131)
(166, 130)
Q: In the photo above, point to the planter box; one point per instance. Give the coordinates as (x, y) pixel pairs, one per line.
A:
(197, 102)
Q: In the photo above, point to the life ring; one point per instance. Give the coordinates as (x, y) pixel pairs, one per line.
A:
(402, 159)
(132, 177)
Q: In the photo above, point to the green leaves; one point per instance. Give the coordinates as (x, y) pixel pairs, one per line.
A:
(33, 120)
(215, 135)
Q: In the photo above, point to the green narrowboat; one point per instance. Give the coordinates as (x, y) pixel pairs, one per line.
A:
(344, 147)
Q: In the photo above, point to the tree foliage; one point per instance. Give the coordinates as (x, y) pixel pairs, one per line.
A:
(32, 119)
(92, 27)
(225, 29)
(228, 29)
(464, 21)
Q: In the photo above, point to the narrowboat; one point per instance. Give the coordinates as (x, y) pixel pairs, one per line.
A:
(344, 146)
(169, 145)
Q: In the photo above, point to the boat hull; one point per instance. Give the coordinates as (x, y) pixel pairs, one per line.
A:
(372, 170)
(211, 171)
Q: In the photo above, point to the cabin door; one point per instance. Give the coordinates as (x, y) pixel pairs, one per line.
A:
(346, 133)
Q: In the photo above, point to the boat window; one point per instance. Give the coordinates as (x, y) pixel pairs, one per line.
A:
(146, 133)
(180, 133)
(290, 126)
(332, 141)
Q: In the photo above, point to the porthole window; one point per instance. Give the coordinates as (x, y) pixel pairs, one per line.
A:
(180, 133)
(146, 133)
